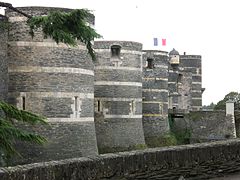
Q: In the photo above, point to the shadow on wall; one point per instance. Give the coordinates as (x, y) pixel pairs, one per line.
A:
(180, 129)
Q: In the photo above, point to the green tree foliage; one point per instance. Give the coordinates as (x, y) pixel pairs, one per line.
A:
(234, 96)
(66, 28)
(10, 133)
(209, 107)
(63, 27)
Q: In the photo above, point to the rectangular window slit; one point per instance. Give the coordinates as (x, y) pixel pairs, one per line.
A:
(160, 109)
(76, 104)
(23, 103)
(98, 106)
(133, 107)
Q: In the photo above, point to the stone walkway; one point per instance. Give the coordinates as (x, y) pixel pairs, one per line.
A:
(229, 177)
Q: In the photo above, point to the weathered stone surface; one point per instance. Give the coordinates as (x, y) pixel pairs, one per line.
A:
(190, 62)
(197, 102)
(155, 126)
(193, 64)
(18, 29)
(44, 56)
(151, 73)
(199, 161)
(121, 107)
(65, 140)
(37, 65)
(159, 96)
(54, 80)
(197, 78)
(155, 95)
(118, 75)
(3, 61)
(210, 125)
(184, 81)
(57, 81)
(118, 134)
(117, 90)
(185, 100)
(50, 82)
(126, 45)
(155, 84)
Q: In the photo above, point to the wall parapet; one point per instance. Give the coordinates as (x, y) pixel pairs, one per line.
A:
(191, 56)
(201, 161)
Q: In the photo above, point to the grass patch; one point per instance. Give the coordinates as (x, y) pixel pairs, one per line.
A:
(194, 116)
(161, 141)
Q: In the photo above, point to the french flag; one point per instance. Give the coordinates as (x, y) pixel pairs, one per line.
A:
(155, 42)
(164, 43)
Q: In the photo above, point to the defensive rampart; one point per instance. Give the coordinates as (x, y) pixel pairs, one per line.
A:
(198, 161)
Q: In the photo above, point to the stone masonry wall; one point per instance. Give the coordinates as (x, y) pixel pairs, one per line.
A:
(56, 81)
(173, 77)
(193, 64)
(65, 140)
(210, 125)
(3, 59)
(155, 96)
(118, 95)
(185, 91)
(199, 161)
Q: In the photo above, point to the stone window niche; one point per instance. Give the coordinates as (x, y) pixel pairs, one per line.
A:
(161, 109)
(180, 78)
(77, 107)
(150, 64)
(115, 51)
(132, 107)
(98, 105)
(174, 109)
(76, 103)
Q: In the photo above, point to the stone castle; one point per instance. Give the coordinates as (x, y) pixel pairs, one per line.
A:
(120, 101)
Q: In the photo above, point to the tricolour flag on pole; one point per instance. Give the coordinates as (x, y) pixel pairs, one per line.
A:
(155, 41)
(163, 42)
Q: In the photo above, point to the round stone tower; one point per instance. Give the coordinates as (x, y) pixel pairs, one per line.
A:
(56, 81)
(118, 95)
(3, 58)
(155, 96)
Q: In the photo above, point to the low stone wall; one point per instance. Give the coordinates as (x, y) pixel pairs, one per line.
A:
(210, 125)
(64, 140)
(199, 161)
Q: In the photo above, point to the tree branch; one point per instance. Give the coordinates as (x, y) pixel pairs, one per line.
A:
(8, 5)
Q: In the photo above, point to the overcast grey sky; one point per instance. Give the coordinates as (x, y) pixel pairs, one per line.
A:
(204, 27)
